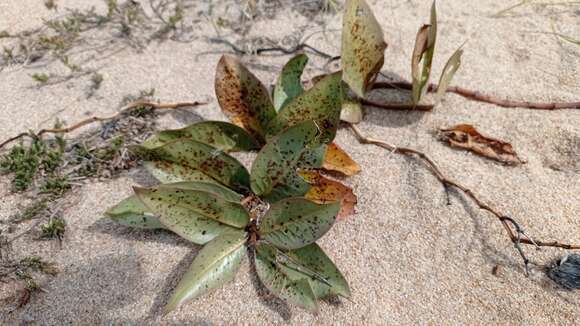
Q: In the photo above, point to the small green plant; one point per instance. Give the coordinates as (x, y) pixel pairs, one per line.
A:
(25, 161)
(41, 77)
(31, 211)
(54, 229)
(55, 185)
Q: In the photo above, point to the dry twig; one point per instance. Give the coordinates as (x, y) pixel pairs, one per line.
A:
(152, 105)
(515, 231)
(477, 96)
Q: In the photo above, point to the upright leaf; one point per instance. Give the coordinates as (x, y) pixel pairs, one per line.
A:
(195, 215)
(324, 190)
(133, 213)
(274, 171)
(185, 159)
(216, 264)
(423, 56)
(448, 72)
(242, 97)
(221, 135)
(313, 264)
(336, 159)
(363, 46)
(293, 223)
(298, 292)
(321, 104)
(289, 84)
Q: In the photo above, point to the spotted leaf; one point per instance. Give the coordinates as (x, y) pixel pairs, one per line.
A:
(298, 292)
(313, 264)
(321, 104)
(221, 135)
(274, 171)
(215, 265)
(189, 160)
(289, 84)
(242, 97)
(363, 46)
(132, 212)
(297, 222)
(195, 215)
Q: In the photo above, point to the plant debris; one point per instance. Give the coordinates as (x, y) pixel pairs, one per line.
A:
(467, 137)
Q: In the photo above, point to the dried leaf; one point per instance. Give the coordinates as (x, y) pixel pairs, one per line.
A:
(293, 223)
(321, 104)
(189, 160)
(195, 215)
(273, 277)
(423, 56)
(448, 72)
(325, 190)
(221, 135)
(289, 83)
(336, 159)
(313, 264)
(216, 264)
(274, 171)
(467, 137)
(242, 97)
(363, 46)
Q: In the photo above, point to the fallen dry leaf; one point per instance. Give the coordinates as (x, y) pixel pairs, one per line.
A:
(467, 137)
(325, 190)
(336, 159)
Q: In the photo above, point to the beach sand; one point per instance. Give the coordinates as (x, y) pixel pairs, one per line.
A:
(408, 257)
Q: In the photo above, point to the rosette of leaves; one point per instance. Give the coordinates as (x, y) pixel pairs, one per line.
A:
(215, 212)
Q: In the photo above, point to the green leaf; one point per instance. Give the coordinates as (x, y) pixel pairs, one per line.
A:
(187, 160)
(351, 110)
(242, 97)
(274, 171)
(312, 263)
(215, 265)
(321, 104)
(221, 135)
(448, 72)
(298, 292)
(293, 223)
(363, 46)
(195, 215)
(289, 84)
(423, 56)
(131, 212)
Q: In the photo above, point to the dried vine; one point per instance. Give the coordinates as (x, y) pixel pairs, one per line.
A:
(515, 232)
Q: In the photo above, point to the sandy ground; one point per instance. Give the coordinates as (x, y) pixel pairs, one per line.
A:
(409, 258)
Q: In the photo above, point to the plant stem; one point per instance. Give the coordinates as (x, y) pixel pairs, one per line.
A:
(506, 221)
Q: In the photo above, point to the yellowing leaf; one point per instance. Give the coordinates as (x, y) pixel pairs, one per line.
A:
(242, 97)
(336, 159)
(467, 137)
(363, 46)
(448, 72)
(325, 190)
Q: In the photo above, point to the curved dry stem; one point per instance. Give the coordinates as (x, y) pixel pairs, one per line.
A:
(152, 105)
(514, 230)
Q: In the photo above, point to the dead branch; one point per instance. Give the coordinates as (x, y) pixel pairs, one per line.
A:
(477, 96)
(152, 105)
(517, 238)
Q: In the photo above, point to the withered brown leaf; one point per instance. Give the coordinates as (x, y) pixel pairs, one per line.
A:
(336, 159)
(324, 190)
(465, 136)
